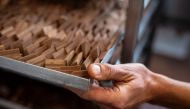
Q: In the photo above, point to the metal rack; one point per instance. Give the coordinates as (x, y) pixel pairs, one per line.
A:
(139, 31)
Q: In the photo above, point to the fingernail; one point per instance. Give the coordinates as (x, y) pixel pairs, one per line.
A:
(96, 69)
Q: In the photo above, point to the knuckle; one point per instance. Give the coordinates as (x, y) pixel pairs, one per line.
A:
(111, 68)
(108, 70)
(107, 67)
(141, 65)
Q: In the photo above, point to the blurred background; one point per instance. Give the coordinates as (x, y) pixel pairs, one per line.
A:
(171, 45)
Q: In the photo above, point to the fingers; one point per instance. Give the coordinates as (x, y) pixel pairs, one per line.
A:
(103, 95)
(95, 93)
(106, 72)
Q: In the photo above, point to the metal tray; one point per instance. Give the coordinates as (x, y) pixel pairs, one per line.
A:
(53, 77)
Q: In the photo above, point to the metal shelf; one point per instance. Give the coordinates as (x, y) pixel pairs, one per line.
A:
(138, 32)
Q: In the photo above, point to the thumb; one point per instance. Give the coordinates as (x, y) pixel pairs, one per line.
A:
(103, 72)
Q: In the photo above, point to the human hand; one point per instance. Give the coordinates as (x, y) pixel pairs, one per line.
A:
(133, 84)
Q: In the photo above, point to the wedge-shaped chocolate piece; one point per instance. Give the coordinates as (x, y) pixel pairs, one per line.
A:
(41, 64)
(11, 34)
(80, 33)
(31, 48)
(65, 68)
(54, 62)
(20, 26)
(17, 44)
(60, 54)
(2, 47)
(7, 43)
(87, 62)
(25, 32)
(14, 56)
(78, 59)
(69, 57)
(38, 28)
(97, 60)
(113, 40)
(71, 68)
(36, 60)
(61, 35)
(70, 47)
(85, 49)
(28, 57)
(102, 55)
(27, 38)
(42, 40)
(50, 31)
(2, 38)
(63, 45)
(46, 41)
(41, 49)
(82, 73)
(95, 52)
(49, 52)
(7, 30)
(10, 52)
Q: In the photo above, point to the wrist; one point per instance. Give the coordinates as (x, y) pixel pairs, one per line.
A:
(169, 92)
(160, 86)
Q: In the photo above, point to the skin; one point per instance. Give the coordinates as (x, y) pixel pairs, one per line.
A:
(133, 85)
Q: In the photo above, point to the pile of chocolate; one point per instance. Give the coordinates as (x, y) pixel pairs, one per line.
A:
(58, 36)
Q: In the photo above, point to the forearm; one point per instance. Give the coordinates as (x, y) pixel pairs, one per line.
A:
(171, 93)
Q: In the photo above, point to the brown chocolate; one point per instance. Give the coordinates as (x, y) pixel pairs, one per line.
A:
(36, 60)
(10, 52)
(7, 30)
(2, 47)
(60, 54)
(64, 68)
(54, 62)
(78, 59)
(28, 57)
(69, 57)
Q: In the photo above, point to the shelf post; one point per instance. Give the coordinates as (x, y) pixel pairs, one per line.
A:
(134, 14)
